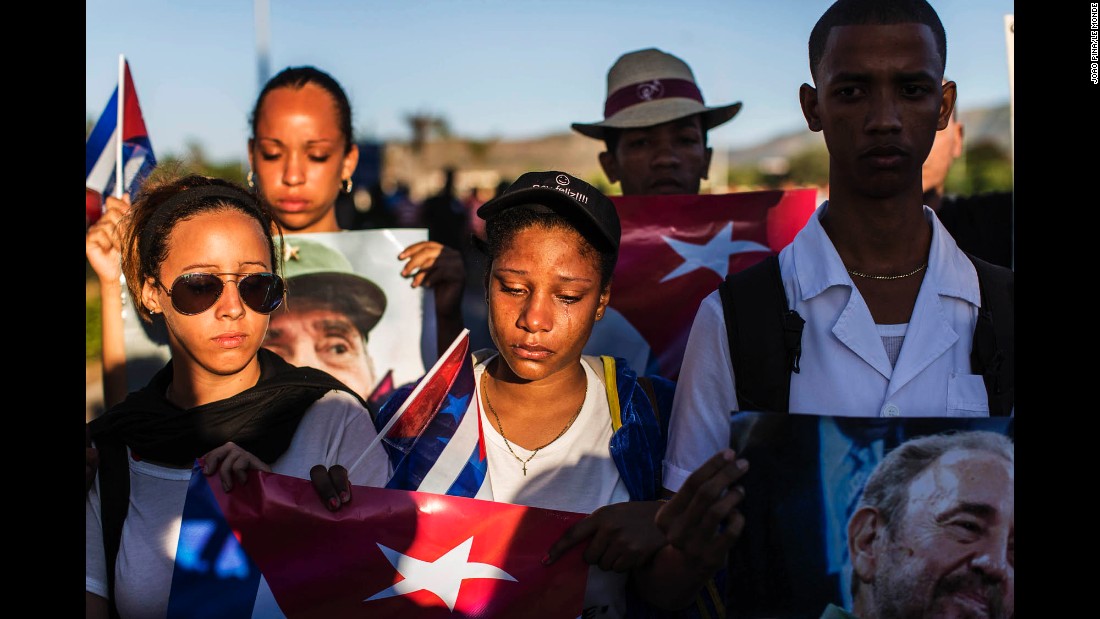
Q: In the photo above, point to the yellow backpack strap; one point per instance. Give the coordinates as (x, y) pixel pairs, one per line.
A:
(604, 367)
(612, 392)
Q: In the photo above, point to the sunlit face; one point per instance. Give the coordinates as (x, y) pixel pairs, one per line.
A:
(298, 159)
(224, 339)
(879, 100)
(669, 158)
(953, 554)
(319, 337)
(544, 294)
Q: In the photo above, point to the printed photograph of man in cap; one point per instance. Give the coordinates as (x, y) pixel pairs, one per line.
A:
(328, 315)
(655, 125)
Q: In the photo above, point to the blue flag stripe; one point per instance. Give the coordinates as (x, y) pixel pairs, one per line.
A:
(99, 139)
(445, 458)
(472, 476)
(99, 150)
(213, 576)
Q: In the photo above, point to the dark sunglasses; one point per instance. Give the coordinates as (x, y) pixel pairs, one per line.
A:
(194, 293)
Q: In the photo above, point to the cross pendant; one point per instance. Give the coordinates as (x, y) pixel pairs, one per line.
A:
(525, 469)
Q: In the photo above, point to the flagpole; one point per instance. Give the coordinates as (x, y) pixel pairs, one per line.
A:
(412, 397)
(119, 126)
(263, 56)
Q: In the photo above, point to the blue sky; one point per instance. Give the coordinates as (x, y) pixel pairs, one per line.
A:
(493, 68)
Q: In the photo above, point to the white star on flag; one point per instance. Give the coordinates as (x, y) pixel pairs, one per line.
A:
(714, 254)
(442, 577)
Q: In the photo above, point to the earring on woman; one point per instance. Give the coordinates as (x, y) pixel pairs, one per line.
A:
(347, 185)
(251, 184)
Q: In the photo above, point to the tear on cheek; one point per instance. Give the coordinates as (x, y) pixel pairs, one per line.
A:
(569, 315)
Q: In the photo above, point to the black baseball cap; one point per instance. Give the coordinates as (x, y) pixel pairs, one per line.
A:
(564, 194)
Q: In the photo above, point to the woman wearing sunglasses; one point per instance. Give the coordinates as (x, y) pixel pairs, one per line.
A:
(302, 155)
(199, 256)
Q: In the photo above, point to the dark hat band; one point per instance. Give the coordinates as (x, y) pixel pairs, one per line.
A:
(650, 90)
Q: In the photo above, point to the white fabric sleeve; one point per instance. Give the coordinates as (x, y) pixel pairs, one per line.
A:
(372, 469)
(95, 559)
(336, 430)
(700, 423)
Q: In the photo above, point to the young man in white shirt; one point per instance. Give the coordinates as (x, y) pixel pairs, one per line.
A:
(889, 300)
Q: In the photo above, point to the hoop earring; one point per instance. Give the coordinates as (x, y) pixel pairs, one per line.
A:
(347, 185)
(251, 184)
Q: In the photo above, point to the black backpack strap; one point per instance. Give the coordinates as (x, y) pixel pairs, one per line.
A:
(993, 350)
(114, 498)
(765, 336)
(647, 386)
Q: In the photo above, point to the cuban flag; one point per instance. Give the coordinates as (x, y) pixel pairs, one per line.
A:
(101, 148)
(433, 436)
(270, 549)
(678, 249)
(394, 553)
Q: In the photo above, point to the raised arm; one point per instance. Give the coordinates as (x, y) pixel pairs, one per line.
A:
(102, 246)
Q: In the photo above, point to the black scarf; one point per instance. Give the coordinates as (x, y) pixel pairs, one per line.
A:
(261, 419)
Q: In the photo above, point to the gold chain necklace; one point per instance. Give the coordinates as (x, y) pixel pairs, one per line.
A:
(913, 272)
(485, 390)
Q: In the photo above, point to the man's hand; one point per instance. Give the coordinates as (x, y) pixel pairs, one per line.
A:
(624, 536)
(702, 520)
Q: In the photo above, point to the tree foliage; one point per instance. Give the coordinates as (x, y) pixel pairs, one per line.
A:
(194, 160)
(984, 167)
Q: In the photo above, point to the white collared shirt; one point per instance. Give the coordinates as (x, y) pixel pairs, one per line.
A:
(845, 370)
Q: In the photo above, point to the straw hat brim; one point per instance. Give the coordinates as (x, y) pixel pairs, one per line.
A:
(657, 112)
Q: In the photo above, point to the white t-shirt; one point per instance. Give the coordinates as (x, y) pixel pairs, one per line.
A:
(335, 430)
(574, 473)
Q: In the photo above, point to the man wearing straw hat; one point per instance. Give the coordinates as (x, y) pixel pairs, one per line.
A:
(655, 125)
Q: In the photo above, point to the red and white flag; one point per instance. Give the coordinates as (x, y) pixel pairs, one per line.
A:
(675, 250)
(395, 553)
